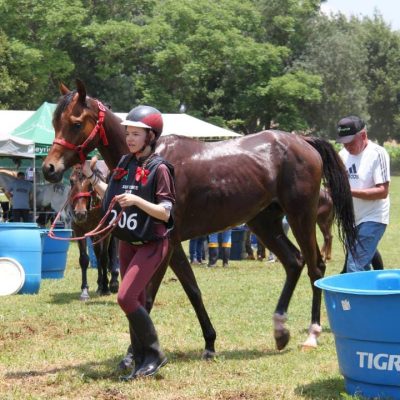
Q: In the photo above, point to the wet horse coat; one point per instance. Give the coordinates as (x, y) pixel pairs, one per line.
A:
(254, 179)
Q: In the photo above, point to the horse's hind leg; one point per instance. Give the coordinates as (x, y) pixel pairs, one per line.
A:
(325, 221)
(303, 224)
(267, 225)
(326, 250)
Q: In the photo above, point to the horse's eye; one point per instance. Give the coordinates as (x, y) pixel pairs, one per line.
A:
(77, 125)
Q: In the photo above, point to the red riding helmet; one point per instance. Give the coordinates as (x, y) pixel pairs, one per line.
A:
(145, 117)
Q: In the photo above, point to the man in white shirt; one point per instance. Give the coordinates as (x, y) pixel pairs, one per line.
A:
(368, 169)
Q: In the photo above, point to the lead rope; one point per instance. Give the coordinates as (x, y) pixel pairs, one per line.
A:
(97, 231)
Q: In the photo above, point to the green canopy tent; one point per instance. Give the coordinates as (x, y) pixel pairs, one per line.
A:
(38, 127)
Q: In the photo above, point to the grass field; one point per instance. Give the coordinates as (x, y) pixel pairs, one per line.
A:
(53, 346)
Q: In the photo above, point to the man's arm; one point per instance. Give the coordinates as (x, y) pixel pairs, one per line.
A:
(377, 192)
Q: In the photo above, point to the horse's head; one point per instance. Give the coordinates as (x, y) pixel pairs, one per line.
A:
(80, 195)
(78, 124)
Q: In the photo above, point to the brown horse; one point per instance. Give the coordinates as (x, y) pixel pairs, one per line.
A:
(86, 214)
(255, 179)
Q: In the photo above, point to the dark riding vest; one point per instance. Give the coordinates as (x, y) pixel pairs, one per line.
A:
(135, 226)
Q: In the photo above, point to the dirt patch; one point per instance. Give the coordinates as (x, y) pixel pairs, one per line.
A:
(111, 394)
(240, 395)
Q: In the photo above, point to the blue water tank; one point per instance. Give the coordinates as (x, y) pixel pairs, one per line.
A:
(21, 241)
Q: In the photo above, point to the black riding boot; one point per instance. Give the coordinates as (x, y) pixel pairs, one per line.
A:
(226, 253)
(127, 361)
(145, 333)
(136, 353)
(212, 256)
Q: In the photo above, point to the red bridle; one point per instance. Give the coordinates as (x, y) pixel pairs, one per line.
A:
(99, 128)
(81, 195)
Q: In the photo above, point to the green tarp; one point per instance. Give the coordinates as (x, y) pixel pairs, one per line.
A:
(38, 128)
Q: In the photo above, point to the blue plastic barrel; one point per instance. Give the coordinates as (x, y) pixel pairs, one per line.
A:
(21, 241)
(54, 254)
(363, 310)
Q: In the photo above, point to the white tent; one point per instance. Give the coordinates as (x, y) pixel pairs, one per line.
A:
(179, 124)
(11, 146)
(10, 119)
(186, 125)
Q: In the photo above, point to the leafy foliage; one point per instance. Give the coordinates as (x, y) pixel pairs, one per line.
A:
(245, 63)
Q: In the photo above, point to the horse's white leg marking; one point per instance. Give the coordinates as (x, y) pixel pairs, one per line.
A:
(279, 324)
(314, 331)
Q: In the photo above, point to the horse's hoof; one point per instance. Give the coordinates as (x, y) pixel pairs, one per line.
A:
(282, 338)
(208, 355)
(307, 347)
(103, 292)
(84, 295)
(114, 286)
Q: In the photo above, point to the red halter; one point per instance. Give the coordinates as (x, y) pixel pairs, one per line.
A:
(98, 128)
(81, 195)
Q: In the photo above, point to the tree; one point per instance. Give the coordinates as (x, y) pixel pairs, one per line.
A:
(383, 79)
(336, 53)
(37, 33)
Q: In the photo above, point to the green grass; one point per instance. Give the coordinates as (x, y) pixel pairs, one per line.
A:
(53, 346)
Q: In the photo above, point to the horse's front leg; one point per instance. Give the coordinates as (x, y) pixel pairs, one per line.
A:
(84, 263)
(183, 271)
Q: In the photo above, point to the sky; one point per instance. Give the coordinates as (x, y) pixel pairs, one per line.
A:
(389, 9)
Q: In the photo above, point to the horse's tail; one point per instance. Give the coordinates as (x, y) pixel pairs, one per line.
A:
(336, 180)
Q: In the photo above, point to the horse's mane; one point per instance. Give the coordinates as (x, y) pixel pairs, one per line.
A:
(62, 104)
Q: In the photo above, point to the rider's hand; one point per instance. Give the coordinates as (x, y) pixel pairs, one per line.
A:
(86, 169)
(126, 199)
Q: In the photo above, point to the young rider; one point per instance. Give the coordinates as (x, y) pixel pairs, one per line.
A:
(143, 187)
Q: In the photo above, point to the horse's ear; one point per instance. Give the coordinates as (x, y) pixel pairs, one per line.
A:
(63, 89)
(81, 90)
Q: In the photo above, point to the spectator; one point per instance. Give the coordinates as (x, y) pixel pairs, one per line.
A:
(213, 248)
(368, 169)
(196, 250)
(20, 193)
(247, 244)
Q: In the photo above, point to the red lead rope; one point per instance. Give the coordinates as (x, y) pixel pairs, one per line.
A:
(99, 230)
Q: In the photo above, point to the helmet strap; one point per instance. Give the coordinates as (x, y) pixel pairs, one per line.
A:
(147, 142)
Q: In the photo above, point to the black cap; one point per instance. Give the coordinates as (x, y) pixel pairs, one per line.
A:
(348, 127)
